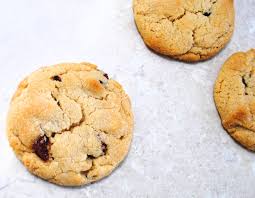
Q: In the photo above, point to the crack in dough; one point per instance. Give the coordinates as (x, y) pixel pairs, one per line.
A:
(82, 112)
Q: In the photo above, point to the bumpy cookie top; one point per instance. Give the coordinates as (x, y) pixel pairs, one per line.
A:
(70, 124)
(234, 96)
(188, 30)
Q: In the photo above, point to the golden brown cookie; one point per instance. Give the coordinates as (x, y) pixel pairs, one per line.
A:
(70, 124)
(234, 95)
(188, 30)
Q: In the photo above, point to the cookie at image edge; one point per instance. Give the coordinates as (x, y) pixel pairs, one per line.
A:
(234, 95)
(70, 124)
(183, 29)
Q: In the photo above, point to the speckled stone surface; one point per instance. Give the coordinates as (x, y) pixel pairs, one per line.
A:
(179, 148)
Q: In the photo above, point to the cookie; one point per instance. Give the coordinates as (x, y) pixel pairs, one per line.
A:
(188, 30)
(70, 124)
(234, 95)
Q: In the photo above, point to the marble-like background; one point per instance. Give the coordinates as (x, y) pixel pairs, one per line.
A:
(179, 147)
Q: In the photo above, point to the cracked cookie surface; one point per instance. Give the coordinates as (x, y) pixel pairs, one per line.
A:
(188, 30)
(70, 124)
(234, 95)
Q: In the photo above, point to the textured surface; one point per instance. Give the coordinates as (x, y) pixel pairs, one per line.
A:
(189, 30)
(234, 97)
(179, 147)
(70, 124)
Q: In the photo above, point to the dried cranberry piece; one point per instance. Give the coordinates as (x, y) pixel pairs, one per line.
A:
(41, 147)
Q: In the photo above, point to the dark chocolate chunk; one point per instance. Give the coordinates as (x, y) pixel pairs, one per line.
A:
(101, 81)
(41, 147)
(91, 157)
(56, 78)
(85, 172)
(207, 14)
(106, 76)
(104, 147)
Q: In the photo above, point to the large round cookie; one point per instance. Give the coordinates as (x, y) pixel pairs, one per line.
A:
(234, 96)
(69, 124)
(188, 30)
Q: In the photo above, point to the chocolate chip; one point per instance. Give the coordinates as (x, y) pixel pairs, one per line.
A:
(56, 78)
(41, 146)
(207, 14)
(101, 81)
(104, 147)
(91, 157)
(106, 76)
(53, 135)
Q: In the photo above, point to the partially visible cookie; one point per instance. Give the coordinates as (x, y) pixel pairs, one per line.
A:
(70, 124)
(234, 95)
(188, 30)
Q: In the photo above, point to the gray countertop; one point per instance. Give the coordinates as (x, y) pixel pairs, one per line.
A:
(179, 148)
